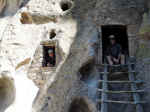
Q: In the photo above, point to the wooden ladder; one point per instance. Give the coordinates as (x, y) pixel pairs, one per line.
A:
(134, 90)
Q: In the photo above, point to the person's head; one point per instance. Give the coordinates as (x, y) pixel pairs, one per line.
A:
(112, 39)
(50, 53)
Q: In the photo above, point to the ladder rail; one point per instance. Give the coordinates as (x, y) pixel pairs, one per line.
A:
(136, 96)
(104, 105)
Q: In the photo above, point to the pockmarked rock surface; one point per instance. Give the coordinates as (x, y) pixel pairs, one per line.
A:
(25, 86)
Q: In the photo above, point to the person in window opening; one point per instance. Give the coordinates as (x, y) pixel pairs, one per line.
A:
(114, 52)
(50, 59)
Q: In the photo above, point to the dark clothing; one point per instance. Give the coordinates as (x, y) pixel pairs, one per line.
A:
(114, 50)
(49, 61)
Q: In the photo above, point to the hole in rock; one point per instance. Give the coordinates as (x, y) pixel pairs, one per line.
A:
(26, 18)
(86, 69)
(52, 34)
(49, 56)
(23, 3)
(80, 105)
(121, 37)
(7, 93)
(65, 5)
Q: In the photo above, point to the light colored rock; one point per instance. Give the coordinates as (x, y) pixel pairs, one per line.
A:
(15, 57)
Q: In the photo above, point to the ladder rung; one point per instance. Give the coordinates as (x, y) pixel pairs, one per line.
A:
(122, 102)
(117, 65)
(115, 73)
(122, 81)
(117, 92)
(104, 72)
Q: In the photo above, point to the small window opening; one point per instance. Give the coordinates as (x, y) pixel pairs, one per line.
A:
(49, 56)
(121, 37)
(52, 34)
(65, 5)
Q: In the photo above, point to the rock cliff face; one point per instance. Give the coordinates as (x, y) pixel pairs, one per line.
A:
(73, 27)
(9, 7)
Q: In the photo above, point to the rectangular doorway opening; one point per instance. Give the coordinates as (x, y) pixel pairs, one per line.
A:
(121, 36)
(49, 56)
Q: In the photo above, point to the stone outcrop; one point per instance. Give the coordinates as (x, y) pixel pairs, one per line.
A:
(7, 91)
(9, 7)
(2, 5)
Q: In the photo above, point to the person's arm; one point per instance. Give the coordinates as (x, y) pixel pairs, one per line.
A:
(107, 53)
(119, 54)
(108, 56)
(120, 51)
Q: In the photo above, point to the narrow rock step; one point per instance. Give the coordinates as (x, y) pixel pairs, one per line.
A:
(117, 92)
(122, 102)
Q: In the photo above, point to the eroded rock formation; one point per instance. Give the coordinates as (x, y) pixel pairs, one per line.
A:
(2, 5)
(9, 7)
(7, 91)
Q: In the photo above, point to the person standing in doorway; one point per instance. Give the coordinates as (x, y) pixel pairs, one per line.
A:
(114, 53)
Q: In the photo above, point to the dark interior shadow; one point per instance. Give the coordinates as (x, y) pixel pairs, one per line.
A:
(120, 32)
(24, 3)
(79, 105)
(86, 70)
